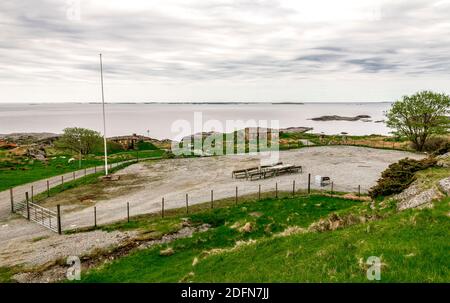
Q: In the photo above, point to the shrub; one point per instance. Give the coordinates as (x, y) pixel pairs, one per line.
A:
(114, 147)
(142, 145)
(443, 149)
(434, 143)
(399, 176)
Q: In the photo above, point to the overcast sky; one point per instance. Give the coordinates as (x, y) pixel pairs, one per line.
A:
(217, 50)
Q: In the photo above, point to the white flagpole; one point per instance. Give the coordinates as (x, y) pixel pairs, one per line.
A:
(104, 119)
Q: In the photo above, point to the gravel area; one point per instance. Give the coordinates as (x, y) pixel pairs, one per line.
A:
(348, 167)
(46, 247)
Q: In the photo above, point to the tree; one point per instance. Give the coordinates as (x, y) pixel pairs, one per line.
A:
(419, 116)
(79, 140)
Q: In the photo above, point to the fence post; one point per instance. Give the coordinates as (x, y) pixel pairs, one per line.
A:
(293, 188)
(259, 192)
(128, 212)
(32, 193)
(359, 190)
(162, 207)
(95, 169)
(58, 212)
(212, 199)
(73, 175)
(28, 206)
(187, 204)
(332, 185)
(62, 180)
(276, 190)
(85, 173)
(95, 216)
(12, 199)
(48, 189)
(236, 199)
(309, 184)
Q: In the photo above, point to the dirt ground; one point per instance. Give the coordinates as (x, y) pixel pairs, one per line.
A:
(144, 184)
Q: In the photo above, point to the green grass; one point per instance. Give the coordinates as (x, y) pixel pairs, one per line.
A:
(88, 179)
(268, 216)
(22, 170)
(6, 274)
(413, 246)
(429, 177)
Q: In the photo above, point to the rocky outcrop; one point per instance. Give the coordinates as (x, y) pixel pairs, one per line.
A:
(416, 197)
(443, 160)
(295, 129)
(37, 153)
(335, 221)
(7, 145)
(341, 118)
(422, 200)
(29, 138)
(444, 185)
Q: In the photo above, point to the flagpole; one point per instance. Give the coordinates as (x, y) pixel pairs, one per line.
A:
(104, 118)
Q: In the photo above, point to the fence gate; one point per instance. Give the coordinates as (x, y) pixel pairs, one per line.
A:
(36, 213)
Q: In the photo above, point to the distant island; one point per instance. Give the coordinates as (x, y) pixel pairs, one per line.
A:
(341, 118)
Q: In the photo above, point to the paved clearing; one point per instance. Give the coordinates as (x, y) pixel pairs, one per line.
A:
(348, 167)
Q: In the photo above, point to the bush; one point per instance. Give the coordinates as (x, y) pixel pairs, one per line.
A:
(142, 145)
(114, 147)
(443, 149)
(434, 143)
(398, 176)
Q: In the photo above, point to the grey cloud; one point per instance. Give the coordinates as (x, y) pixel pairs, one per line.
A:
(221, 40)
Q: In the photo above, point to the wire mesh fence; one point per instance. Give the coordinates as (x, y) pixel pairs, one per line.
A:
(210, 199)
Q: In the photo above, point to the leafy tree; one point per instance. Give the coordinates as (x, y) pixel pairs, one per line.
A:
(419, 116)
(79, 140)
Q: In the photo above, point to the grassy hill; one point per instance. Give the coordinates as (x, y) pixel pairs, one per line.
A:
(269, 241)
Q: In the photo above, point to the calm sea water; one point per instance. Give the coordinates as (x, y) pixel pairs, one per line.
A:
(158, 119)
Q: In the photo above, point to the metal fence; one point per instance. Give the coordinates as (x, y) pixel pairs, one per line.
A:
(38, 214)
(294, 185)
(205, 199)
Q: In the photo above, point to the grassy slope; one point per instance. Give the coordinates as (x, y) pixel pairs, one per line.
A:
(413, 247)
(267, 216)
(29, 171)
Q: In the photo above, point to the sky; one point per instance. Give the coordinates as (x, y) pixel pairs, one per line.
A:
(219, 51)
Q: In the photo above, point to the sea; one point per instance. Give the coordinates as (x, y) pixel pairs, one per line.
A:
(164, 120)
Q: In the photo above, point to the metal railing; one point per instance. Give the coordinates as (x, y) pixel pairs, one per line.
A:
(38, 214)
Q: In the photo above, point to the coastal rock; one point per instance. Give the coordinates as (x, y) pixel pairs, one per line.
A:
(29, 138)
(295, 129)
(38, 153)
(443, 160)
(444, 185)
(7, 145)
(414, 197)
(340, 118)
